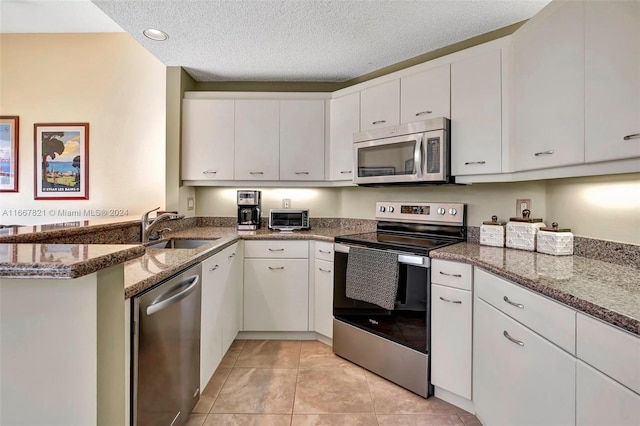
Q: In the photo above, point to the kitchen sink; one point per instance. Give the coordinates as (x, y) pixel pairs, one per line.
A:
(179, 244)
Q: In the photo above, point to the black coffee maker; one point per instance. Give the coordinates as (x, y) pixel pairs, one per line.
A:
(248, 210)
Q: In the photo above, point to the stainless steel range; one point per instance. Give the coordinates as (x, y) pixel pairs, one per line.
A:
(382, 289)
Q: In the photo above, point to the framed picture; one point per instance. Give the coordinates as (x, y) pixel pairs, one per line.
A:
(61, 161)
(9, 132)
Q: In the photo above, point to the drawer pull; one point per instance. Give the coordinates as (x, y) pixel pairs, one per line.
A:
(379, 122)
(232, 255)
(276, 249)
(517, 305)
(633, 136)
(302, 173)
(451, 275)
(256, 173)
(324, 251)
(474, 162)
(517, 342)
(346, 172)
(273, 268)
(537, 154)
(210, 172)
(418, 114)
(214, 268)
(324, 270)
(458, 302)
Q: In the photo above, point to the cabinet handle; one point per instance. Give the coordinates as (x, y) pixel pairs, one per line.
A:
(517, 305)
(458, 302)
(418, 114)
(324, 270)
(451, 275)
(537, 154)
(633, 136)
(210, 172)
(324, 251)
(379, 122)
(517, 342)
(276, 249)
(346, 172)
(474, 162)
(256, 173)
(232, 255)
(276, 267)
(302, 173)
(214, 268)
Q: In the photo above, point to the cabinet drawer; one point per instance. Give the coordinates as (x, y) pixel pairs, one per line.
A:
(324, 251)
(277, 249)
(452, 274)
(544, 316)
(614, 352)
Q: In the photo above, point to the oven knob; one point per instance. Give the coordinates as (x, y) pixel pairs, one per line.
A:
(441, 210)
(382, 209)
(453, 212)
(391, 209)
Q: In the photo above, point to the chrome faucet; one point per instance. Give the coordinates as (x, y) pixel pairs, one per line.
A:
(147, 225)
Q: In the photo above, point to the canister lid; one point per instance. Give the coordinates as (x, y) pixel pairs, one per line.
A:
(493, 221)
(554, 228)
(525, 217)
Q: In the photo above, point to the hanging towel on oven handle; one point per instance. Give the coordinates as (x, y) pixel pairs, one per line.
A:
(372, 276)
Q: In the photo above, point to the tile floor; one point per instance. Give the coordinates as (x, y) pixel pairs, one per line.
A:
(302, 383)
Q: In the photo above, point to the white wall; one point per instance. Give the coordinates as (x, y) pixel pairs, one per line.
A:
(602, 207)
(107, 80)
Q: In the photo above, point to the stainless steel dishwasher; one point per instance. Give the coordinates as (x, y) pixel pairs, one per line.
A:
(166, 350)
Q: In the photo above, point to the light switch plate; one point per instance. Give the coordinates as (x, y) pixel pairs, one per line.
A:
(522, 204)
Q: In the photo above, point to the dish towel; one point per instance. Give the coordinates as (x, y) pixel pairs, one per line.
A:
(372, 276)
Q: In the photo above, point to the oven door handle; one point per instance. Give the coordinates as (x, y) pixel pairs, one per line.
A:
(420, 261)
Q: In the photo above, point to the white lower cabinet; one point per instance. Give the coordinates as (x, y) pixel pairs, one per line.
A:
(603, 401)
(519, 378)
(323, 297)
(231, 312)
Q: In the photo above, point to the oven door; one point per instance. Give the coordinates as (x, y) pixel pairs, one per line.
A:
(408, 323)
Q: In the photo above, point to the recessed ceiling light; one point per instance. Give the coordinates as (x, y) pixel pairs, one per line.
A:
(156, 35)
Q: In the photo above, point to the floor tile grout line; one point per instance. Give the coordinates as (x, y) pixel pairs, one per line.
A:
(373, 402)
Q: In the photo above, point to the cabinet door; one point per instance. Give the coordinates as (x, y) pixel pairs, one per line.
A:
(603, 401)
(207, 139)
(276, 294)
(425, 95)
(476, 115)
(548, 90)
(302, 140)
(231, 312)
(523, 381)
(214, 275)
(380, 106)
(451, 339)
(344, 122)
(323, 297)
(257, 128)
(612, 72)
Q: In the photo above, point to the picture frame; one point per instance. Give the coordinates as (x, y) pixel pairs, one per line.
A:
(9, 150)
(61, 158)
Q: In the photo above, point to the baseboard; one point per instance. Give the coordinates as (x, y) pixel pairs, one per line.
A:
(277, 335)
(454, 399)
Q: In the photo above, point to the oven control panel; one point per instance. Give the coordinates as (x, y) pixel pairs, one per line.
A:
(420, 212)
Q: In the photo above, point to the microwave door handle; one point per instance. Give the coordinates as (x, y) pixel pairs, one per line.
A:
(417, 157)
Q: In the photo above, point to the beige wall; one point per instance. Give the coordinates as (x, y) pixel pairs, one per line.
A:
(603, 207)
(107, 80)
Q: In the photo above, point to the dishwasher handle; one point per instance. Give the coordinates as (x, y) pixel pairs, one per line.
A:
(161, 303)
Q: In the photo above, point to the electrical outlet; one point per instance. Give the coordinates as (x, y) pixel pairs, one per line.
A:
(522, 204)
(190, 203)
(286, 203)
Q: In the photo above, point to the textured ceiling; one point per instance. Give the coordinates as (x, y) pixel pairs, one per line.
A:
(305, 40)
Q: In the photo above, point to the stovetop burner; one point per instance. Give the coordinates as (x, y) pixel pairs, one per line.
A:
(401, 242)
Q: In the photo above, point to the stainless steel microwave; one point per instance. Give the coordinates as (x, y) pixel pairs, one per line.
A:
(289, 219)
(412, 153)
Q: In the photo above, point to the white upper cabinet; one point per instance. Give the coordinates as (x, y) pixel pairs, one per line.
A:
(476, 115)
(425, 95)
(257, 128)
(548, 90)
(380, 106)
(207, 139)
(344, 121)
(302, 139)
(612, 72)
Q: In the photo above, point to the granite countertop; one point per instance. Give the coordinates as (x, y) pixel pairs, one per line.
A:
(62, 260)
(604, 290)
